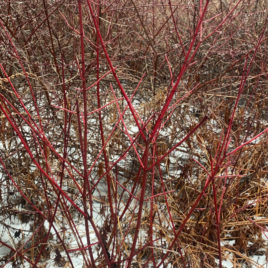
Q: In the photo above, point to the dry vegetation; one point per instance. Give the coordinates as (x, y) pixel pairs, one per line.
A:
(124, 132)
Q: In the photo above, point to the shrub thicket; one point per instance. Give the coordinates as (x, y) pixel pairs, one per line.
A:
(133, 133)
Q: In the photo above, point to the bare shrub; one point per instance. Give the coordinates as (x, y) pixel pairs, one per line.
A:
(132, 133)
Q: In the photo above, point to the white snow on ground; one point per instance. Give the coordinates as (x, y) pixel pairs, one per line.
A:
(7, 234)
